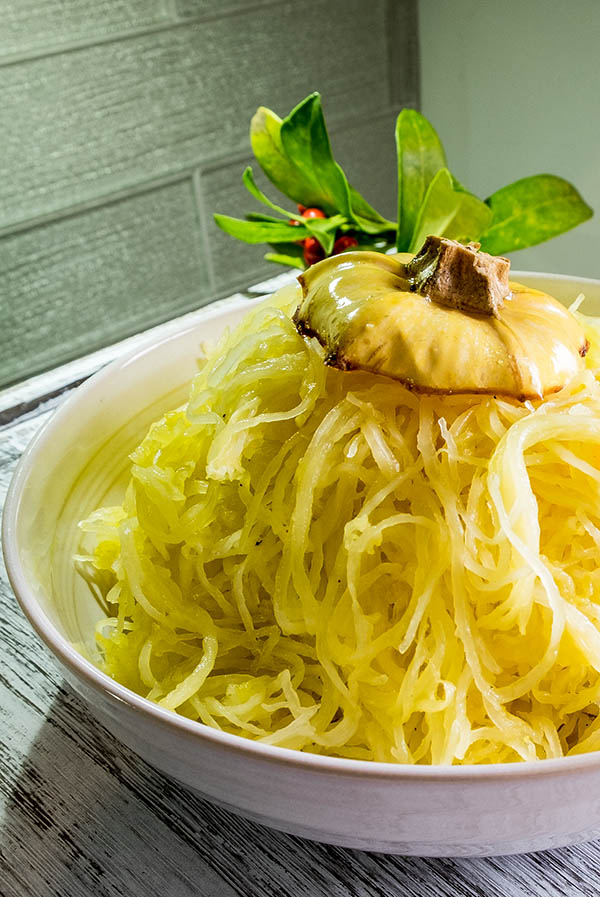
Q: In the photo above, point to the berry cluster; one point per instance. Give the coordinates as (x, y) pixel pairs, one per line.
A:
(313, 251)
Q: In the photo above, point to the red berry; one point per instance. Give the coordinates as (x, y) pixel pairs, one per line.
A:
(313, 251)
(301, 208)
(313, 213)
(343, 243)
(293, 222)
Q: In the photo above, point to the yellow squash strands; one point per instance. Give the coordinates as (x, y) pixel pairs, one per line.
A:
(325, 561)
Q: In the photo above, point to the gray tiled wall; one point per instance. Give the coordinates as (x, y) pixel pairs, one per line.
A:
(125, 126)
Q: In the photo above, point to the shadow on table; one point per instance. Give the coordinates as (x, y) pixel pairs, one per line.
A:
(88, 817)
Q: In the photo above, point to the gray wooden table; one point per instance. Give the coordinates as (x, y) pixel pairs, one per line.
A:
(81, 815)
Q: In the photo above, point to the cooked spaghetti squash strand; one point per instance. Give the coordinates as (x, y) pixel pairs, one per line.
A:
(325, 561)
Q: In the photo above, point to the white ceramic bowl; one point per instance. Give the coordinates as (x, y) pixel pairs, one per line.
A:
(77, 462)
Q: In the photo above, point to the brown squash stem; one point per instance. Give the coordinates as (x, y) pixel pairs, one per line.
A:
(459, 276)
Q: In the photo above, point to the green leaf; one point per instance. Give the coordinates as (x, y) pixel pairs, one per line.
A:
(532, 210)
(265, 138)
(367, 218)
(304, 139)
(279, 145)
(289, 254)
(324, 230)
(256, 192)
(260, 231)
(288, 260)
(316, 180)
(420, 157)
(259, 216)
(457, 185)
(451, 213)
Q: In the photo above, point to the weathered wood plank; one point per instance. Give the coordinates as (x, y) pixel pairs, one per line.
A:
(78, 283)
(32, 25)
(102, 118)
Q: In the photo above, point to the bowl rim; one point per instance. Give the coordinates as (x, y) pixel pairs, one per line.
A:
(109, 688)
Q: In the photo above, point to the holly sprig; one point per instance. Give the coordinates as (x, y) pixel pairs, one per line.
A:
(331, 216)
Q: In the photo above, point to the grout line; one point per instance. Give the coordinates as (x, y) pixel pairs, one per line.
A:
(127, 191)
(166, 25)
(113, 196)
(198, 197)
(36, 53)
(169, 9)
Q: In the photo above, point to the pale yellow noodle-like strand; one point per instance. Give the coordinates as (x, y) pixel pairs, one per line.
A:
(325, 561)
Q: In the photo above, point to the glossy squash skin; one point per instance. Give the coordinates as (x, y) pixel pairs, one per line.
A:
(362, 308)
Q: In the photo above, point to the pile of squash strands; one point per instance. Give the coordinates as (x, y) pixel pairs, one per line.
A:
(325, 561)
